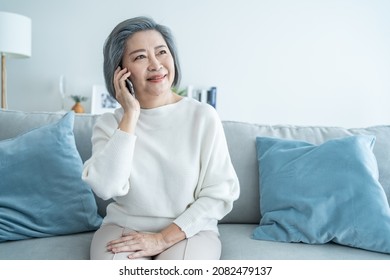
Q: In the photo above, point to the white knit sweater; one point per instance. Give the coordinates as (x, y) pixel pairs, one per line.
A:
(175, 169)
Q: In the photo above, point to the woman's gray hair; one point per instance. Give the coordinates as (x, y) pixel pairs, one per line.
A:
(115, 45)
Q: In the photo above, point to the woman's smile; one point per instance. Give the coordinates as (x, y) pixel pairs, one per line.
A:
(156, 78)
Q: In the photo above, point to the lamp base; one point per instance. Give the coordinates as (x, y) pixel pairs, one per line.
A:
(3, 83)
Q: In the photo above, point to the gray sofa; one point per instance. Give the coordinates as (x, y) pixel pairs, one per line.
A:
(236, 228)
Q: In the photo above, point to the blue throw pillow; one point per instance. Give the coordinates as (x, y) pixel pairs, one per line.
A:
(322, 193)
(41, 191)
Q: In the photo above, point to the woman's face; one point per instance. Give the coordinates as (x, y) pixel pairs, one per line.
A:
(148, 59)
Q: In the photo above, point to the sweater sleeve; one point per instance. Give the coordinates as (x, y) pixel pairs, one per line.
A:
(108, 169)
(218, 185)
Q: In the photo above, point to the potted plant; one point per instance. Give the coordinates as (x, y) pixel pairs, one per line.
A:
(178, 91)
(77, 107)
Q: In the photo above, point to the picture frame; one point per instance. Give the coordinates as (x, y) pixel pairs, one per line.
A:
(101, 101)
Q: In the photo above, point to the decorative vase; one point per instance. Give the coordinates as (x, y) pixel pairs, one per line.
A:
(78, 108)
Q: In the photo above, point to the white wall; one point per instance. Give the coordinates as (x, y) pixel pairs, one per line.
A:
(304, 62)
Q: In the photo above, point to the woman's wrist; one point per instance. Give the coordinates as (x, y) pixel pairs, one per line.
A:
(129, 122)
(172, 235)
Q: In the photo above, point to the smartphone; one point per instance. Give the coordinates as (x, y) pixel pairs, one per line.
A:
(130, 86)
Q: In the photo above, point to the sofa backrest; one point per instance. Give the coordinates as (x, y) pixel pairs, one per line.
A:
(241, 138)
(13, 123)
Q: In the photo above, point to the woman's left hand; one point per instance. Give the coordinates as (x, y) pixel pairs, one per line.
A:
(138, 244)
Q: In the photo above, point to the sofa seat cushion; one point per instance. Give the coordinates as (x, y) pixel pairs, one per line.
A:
(64, 247)
(237, 244)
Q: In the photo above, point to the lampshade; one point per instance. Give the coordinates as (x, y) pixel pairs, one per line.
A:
(15, 42)
(15, 35)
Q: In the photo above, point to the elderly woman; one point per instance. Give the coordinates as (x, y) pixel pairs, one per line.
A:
(162, 158)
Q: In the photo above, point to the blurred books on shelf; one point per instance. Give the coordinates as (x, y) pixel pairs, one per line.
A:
(203, 95)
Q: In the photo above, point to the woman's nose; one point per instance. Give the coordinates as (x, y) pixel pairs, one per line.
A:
(154, 64)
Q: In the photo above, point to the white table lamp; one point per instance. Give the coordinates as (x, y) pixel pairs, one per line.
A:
(15, 42)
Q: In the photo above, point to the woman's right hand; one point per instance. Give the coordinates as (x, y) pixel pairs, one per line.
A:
(129, 103)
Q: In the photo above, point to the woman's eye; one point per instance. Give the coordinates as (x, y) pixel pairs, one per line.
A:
(162, 52)
(139, 57)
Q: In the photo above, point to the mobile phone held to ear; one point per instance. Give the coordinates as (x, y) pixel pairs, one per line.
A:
(130, 86)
